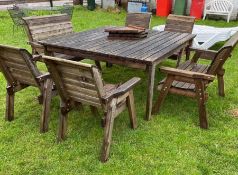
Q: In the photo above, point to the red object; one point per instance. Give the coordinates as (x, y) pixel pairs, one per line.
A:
(197, 8)
(163, 7)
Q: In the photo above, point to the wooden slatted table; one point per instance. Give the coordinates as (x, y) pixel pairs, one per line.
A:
(144, 53)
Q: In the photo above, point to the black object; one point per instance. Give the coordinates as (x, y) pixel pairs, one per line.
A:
(91, 4)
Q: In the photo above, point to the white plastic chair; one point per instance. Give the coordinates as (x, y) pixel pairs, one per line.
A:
(219, 7)
(207, 36)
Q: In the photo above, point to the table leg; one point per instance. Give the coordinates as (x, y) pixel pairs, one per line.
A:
(150, 91)
(47, 52)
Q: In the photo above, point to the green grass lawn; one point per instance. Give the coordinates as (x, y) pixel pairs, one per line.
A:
(171, 143)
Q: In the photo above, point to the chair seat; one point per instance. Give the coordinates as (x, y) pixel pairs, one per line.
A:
(189, 66)
(110, 87)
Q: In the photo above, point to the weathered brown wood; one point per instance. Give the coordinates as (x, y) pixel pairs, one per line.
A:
(48, 85)
(139, 20)
(151, 77)
(220, 79)
(62, 121)
(131, 109)
(20, 71)
(9, 114)
(164, 91)
(191, 79)
(44, 27)
(109, 122)
(180, 24)
(93, 44)
(94, 110)
(200, 93)
(82, 83)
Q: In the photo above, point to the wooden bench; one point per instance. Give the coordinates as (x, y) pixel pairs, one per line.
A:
(219, 7)
(82, 83)
(44, 27)
(20, 71)
(191, 79)
(181, 24)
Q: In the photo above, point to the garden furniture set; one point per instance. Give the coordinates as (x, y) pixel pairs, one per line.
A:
(54, 42)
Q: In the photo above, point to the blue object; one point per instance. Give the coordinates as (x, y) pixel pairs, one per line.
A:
(144, 8)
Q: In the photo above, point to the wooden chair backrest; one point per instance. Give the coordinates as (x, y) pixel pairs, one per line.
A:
(177, 23)
(16, 14)
(222, 55)
(76, 81)
(17, 66)
(43, 27)
(138, 20)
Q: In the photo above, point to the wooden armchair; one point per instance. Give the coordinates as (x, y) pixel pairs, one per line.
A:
(44, 27)
(181, 24)
(20, 71)
(82, 83)
(191, 79)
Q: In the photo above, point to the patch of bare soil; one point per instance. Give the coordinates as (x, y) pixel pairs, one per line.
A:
(234, 113)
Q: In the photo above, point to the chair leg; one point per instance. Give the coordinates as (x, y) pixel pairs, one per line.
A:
(179, 58)
(9, 115)
(221, 91)
(164, 91)
(108, 64)
(94, 110)
(131, 109)
(200, 93)
(98, 65)
(63, 121)
(47, 95)
(109, 121)
(40, 99)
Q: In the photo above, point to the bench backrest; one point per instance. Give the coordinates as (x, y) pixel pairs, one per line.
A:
(222, 55)
(43, 27)
(177, 23)
(17, 66)
(138, 20)
(220, 6)
(76, 81)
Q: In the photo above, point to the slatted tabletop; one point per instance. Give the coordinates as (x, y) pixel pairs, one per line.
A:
(155, 47)
(141, 53)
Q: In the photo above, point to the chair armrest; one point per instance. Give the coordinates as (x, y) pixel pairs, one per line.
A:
(122, 89)
(34, 44)
(37, 57)
(43, 77)
(206, 54)
(187, 74)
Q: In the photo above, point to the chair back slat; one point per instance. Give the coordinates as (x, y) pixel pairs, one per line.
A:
(75, 81)
(44, 27)
(138, 20)
(177, 23)
(16, 14)
(17, 66)
(223, 54)
(68, 9)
